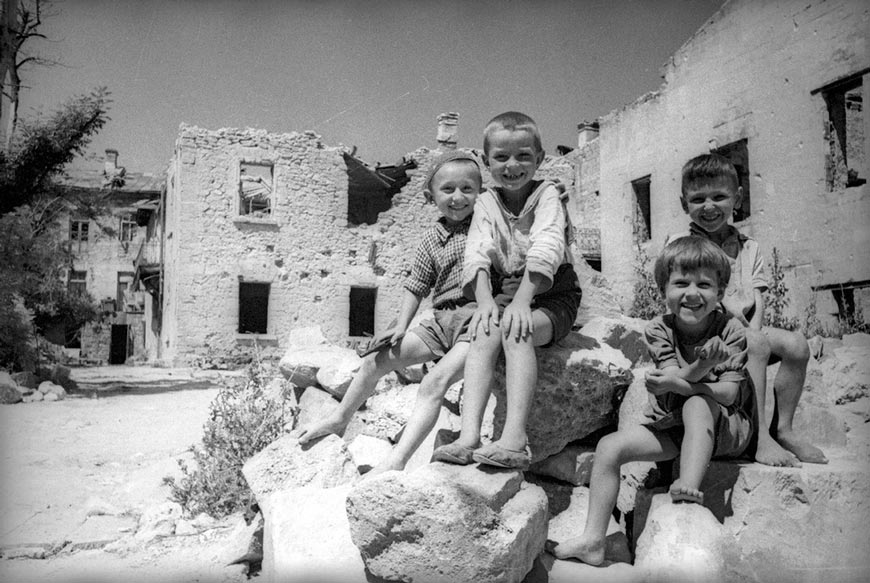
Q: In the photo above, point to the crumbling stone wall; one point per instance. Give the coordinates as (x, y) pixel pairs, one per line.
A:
(304, 249)
(751, 72)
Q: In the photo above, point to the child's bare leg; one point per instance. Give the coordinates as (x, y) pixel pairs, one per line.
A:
(700, 414)
(788, 385)
(479, 368)
(636, 443)
(426, 408)
(768, 451)
(410, 350)
(521, 375)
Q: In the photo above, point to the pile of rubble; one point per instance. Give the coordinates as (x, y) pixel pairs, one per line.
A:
(26, 387)
(325, 520)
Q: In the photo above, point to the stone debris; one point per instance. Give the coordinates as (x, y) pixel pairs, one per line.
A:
(573, 464)
(495, 527)
(580, 385)
(285, 464)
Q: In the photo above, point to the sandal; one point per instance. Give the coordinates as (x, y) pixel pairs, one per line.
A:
(453, 453)
(501, 457)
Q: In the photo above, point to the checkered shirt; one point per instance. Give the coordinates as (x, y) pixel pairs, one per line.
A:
(437, 265)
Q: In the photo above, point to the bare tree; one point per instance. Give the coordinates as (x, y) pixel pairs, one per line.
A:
(21, 20)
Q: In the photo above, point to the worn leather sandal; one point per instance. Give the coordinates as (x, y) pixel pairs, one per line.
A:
(453, 453)
(500, 457)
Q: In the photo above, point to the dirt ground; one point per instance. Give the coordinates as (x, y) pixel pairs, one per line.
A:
(77, 473)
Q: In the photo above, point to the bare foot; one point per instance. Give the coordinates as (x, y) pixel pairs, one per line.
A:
(770, 453)
(682, 493)
(804, 450)
(387, 465)
(590, 552)
(312, 431)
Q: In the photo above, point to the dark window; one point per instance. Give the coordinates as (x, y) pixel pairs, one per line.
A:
(255, 189)
(78, 233)
(594, 261)
(76, 282)
(361, 318)
(253, 307)
(844, 133)
(738, 153)
(641, 220)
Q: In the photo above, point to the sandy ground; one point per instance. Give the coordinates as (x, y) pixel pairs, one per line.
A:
(76, 473)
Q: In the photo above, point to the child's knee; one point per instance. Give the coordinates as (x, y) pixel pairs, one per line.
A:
(758, 344)
(700, 407)
(798, 348)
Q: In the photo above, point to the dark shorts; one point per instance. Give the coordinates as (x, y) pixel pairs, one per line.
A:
(734, 431)
(446, 327)
(559, 303)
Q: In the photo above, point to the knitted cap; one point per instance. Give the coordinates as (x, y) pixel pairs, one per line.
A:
(449, 156)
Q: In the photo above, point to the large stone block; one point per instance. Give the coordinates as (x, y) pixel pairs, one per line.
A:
(306, 538)
(448, 523)
(284, 464)
(580, 385)
(791, 524)
(682, 543)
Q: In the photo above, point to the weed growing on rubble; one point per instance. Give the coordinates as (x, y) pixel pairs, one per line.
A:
(244, 418)
(647, 302)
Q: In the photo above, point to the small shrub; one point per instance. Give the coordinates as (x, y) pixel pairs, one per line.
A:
(648, 302)
(776, 299)
(244, 418)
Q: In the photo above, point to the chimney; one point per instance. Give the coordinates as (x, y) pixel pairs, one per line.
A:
(111, 160)
(447, 130)
(586, 132)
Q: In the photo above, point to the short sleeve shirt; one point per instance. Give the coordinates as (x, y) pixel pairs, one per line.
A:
(666, 349)
(437, 264)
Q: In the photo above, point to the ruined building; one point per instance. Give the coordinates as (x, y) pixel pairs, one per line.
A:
(104, 247)
(777, 87)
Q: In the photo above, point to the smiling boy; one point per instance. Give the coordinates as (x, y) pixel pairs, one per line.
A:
(710, 193)
(700, 402)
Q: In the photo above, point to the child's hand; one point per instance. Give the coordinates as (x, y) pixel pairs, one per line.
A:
(485, 315)
(712, 353)
(658, 382)
(517, 321)
(393, 334)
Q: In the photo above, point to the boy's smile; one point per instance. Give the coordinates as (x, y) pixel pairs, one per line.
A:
(692, 296)
(454, 190)
(710, 204)
(513, 159)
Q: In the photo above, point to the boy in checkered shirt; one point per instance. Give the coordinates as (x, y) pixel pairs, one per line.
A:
(453, 185)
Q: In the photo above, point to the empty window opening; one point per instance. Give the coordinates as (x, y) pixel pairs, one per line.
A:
(127, 228)
(78, 233)
(594, 261)
(844, 133)
(370, 190)
(124, 294)
(641, 221)
(850, 298)
(256, 184)
(361, 316)
(76, 283)
(253, 307)
(738, 153)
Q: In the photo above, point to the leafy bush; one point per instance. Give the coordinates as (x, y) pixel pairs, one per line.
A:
(648, 302)
(244, 418)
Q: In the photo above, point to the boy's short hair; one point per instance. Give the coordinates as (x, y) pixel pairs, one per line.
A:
(447, 157)
(688, 254)
(708, 168)
(513, 121)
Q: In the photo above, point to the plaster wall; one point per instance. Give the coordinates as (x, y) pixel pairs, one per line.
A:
(748, 73)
